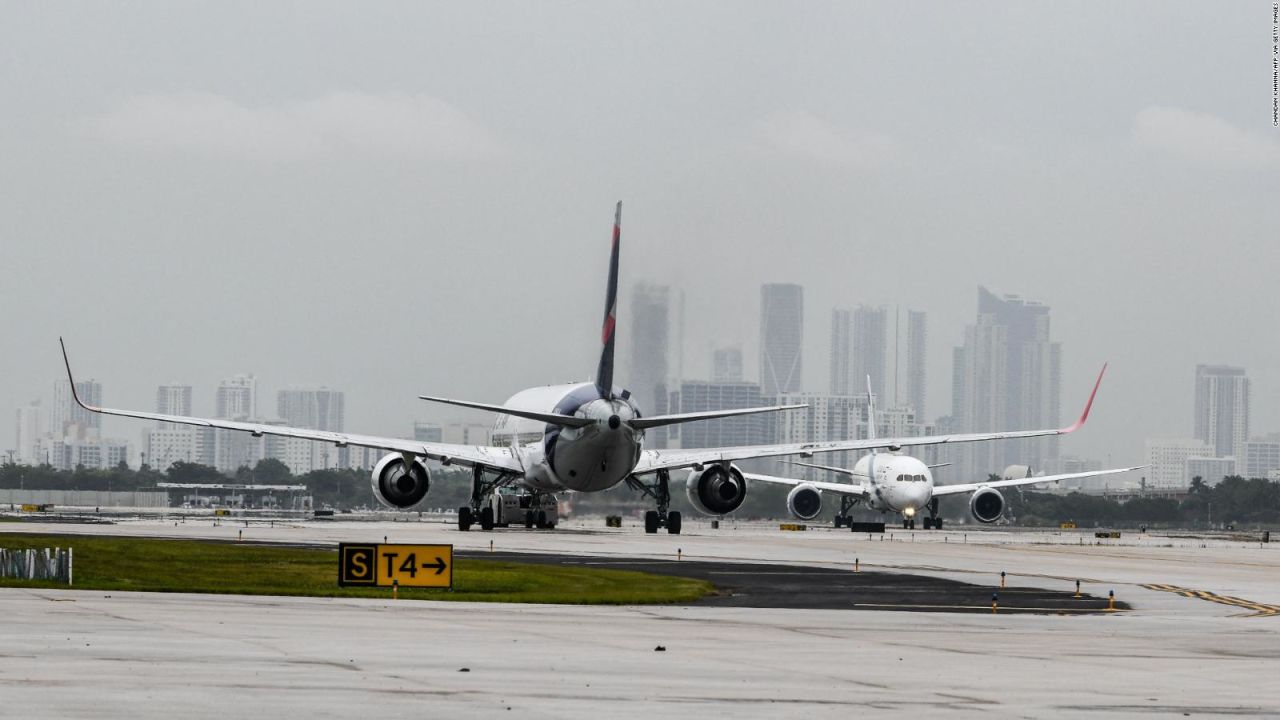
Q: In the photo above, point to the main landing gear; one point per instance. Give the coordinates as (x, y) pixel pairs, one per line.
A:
(480, 511)
(843, 518)
(660, 491)
(934, 521)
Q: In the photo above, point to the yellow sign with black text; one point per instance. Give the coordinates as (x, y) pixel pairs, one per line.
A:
(387, 565)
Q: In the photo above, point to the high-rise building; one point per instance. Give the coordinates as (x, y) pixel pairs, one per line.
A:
(650, 332)
(703, 396)
(910, 344)
(1168, 462)
(237, 398)
(1007, 376)
(887, 344)
(869, 349)
(71, 420)
(1222, 408)
(314, 408)
(427, 432)
(69, 453)
(781, 338)
(169, 443)
(1210, 470)
(1261, 456)
(726, 365)
(173, 399)
(842, 353)
(30, 427)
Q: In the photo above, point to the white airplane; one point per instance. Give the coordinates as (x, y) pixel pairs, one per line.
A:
(582, 437)
(904, 484)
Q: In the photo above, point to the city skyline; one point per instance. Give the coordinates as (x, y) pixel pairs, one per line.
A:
(1226, 389)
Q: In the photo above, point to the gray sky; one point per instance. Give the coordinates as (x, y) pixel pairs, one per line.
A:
(402, 198)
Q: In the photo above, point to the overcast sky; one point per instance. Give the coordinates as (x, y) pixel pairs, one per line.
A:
(402, 198)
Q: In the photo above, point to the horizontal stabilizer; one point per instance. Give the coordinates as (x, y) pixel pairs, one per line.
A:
(660, 420)
(548, 418)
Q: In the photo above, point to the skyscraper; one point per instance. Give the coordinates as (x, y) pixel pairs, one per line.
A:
(841, 352)
(237, 398)
(726, 365)
(650, 333)
(889, 345)
(30, 427)
(869, 350)
(169, 443)
(781, 338)
(173, 399)
(71, 420)
(315, 408)
(1222, 408)
(1008, 376)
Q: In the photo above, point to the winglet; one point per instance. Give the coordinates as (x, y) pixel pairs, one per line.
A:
(604, 372)
(71, 379)
(1089, 405)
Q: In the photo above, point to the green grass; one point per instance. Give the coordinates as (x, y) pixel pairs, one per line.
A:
(157, 565)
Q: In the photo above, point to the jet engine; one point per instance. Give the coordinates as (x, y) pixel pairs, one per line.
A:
(397, 486)
(804, 502)
(987, 505)
(716, 489)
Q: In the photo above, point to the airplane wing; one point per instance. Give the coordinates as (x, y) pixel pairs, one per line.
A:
(654, 460)
(940, 490)
(837, 488)
(498, 458)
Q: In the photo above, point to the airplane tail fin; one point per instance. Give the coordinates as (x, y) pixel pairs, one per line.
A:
(604, 372)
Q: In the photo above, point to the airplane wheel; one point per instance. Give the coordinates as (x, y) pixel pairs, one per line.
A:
(937, 523)
(486, 518)
(651, 522)
(464, 519)
(928, 524)
(528, 519)
(906, 524)
(542, 519)
(673, 523)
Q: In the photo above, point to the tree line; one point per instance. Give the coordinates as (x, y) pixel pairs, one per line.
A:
(1234, 501)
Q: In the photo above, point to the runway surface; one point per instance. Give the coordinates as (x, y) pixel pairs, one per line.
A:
(1178, 652)
(757, 585)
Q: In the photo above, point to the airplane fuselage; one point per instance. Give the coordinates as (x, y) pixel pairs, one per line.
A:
(898, 483)
(587, 459)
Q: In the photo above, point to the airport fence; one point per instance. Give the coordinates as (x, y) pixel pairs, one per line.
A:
(30, 564)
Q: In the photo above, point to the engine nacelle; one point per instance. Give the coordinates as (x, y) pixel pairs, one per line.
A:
(986, 505)
(396, 488)
(804, 502)
(716, 490)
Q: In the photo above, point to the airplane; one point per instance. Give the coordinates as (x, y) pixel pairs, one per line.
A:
(904, 484)
(580, 437)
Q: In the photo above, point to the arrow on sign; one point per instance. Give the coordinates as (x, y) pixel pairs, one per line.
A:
(439, 566)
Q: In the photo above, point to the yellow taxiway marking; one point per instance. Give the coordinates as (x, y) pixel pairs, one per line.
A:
(1259, 609)
(987, 608)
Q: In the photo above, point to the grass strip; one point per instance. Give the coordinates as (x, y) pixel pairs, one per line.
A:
(199, 566)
